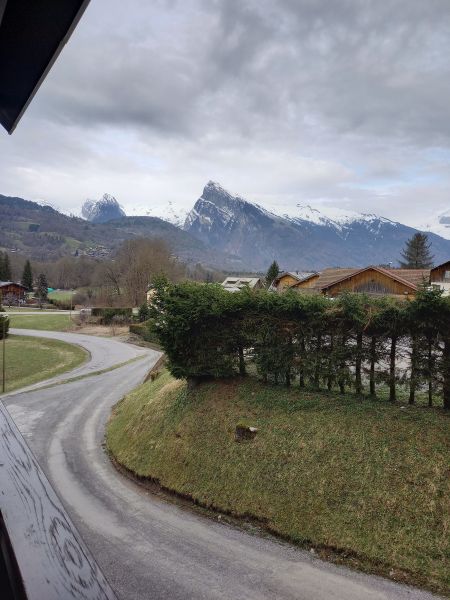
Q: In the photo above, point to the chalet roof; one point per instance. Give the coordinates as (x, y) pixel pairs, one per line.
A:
(444, 264)
(410, 277)
(330, 276)
(32, 34)
(234, 284)
(414, 276)
(6, 283)
(298, 275)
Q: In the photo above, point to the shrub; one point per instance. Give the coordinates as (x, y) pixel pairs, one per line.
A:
(107, 314)
(4, 325)
(146, 331)
(60, 304)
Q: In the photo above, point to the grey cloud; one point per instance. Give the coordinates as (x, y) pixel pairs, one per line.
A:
(239, 89)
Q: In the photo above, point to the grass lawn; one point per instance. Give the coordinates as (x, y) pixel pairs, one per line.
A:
(29, 360)
(364, 482)
(63, 295)
(42, 321)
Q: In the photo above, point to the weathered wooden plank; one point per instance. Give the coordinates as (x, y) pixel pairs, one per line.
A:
(53, 561)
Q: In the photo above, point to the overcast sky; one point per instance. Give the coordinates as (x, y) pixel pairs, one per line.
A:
(323, 102)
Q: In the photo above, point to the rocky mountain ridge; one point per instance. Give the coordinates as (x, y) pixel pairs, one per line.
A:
(222, 230)
(303, 239)
(103, 210)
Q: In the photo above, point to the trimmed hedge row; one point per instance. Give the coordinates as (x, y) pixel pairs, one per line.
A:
(107, 314)
(353, 341)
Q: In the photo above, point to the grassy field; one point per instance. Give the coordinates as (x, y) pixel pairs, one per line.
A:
(366, 483)
(44, 322)
(29, 360)
(63, 295)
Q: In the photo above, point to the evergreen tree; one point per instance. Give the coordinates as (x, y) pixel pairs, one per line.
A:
(27, 276)
(5, 267)
(416, 254)
(272, 273)
(42, 288)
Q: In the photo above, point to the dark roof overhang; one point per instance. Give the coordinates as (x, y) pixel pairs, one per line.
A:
(32, 34)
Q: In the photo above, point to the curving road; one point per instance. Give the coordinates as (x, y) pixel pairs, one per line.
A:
(148, 547)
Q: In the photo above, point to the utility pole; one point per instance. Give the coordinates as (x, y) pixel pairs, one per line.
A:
(71, 300)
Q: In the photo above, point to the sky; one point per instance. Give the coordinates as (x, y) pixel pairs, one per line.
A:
(331, 103)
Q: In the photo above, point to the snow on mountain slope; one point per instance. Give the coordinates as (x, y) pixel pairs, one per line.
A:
(302, 237)
(172, 212)
(103, 210)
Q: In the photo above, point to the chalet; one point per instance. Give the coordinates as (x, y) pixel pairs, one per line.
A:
(375, 281)
(234, 284)
(440, 277)
(290, 279)
(11, 292)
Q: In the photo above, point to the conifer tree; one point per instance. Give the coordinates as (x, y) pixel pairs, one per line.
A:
(272, 273)
(42, 288)
(416, 254)
(27, 276)
(5, 267)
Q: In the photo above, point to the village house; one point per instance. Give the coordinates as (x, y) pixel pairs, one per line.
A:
(440, 277)
(372, 280)
(291, 278)
(234, 284)
(11, 292)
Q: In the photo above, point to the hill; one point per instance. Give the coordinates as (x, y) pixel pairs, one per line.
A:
(221, 231)
(43, 233)
(364, 483)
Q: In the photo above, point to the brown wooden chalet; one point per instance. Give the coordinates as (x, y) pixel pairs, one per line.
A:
(440, 277)
(15, 291)
(375, 281)
(441, 273)
(289, 279)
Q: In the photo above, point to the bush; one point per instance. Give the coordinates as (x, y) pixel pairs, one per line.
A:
(107, 314)
(146, 331)
(60, 304)
(4, 320)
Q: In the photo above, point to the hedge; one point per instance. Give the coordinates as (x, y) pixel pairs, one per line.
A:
(353, 341)
(146, 331)
(107, 314)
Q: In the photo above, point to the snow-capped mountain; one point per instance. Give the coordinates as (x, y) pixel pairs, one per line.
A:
(303, 238)
(103, 210)
(171, 212)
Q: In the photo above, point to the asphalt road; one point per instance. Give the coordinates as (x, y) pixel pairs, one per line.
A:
(149, 547)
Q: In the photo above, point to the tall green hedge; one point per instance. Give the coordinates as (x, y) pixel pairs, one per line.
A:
(351, 342)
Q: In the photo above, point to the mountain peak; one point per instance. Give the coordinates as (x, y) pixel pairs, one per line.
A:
(103, 210)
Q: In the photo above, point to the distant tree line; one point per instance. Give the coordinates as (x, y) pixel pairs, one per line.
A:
(121, 280)
(369, 345)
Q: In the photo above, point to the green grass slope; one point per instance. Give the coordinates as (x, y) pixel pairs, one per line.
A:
(363, 482)
(42, 321)
(30, 360)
